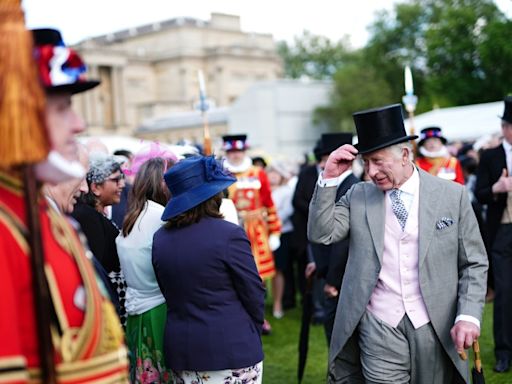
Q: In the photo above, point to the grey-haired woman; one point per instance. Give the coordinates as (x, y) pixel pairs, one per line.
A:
(106, 182)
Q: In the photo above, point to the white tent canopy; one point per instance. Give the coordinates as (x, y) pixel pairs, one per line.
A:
(462, 123)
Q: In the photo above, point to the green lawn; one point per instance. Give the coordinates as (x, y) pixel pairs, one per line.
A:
(280, 364)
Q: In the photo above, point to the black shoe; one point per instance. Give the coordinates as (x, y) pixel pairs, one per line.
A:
(502, 365)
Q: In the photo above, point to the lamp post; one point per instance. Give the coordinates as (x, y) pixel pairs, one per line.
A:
(410, 100)
(203, 107)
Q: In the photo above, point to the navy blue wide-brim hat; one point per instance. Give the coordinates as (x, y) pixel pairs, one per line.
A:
(379, 128)
(192, 181)
(60, 68)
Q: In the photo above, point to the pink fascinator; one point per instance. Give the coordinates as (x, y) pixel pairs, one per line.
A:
(150, 152)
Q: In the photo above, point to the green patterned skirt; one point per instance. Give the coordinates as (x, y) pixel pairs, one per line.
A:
(145, 338)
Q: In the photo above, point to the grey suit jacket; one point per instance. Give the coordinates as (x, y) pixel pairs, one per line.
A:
(452, 262)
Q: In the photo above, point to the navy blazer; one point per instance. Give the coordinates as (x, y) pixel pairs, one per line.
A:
(214, 296)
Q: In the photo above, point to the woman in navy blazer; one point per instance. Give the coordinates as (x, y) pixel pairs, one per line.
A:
(208, 276)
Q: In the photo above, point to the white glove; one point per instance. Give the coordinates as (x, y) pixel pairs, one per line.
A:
(274, 242)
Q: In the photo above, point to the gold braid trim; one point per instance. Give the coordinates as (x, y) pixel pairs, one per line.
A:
(12, 362)
(18, 229)
(11, 182)
(101, 331)
(13, 368)
(113, 365)
(10, 377)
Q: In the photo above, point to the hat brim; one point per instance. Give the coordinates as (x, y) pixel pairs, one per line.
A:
(192, 198)
(386, 144)
(422, 141)
(73, 88)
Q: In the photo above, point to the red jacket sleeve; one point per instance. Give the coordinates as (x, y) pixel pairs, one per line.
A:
(274, 224)
(13, 269)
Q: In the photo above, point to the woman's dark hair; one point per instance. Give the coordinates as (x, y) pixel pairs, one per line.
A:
(147, 185)
(208, 208)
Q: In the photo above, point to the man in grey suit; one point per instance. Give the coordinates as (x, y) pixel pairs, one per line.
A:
(414, 286)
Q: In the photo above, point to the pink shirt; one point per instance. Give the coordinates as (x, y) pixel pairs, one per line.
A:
(398, 291)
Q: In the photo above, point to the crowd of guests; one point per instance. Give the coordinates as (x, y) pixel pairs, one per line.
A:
(172, 255)
(165, 298)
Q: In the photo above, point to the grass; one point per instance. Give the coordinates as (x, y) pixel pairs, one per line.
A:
(281, 351)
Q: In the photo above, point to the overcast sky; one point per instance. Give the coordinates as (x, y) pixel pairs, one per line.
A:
(78, 20)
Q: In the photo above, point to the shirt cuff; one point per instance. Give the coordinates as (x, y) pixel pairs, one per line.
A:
(468, 318)
(334, 182)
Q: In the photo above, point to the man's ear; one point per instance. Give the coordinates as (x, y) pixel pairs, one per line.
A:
(96, 189)
(406, 155)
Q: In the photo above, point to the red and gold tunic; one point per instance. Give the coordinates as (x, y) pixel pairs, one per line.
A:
(257, 213)
(88, 340)
(446, 167)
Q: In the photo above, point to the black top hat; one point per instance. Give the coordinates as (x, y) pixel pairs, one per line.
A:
(380, 128)
(430, 132)
(329, 142)
(507, 113)
(235, 142)
(60, 68)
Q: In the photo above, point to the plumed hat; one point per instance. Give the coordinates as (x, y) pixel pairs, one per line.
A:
(60, 68)
(430, 132)
(234, 143)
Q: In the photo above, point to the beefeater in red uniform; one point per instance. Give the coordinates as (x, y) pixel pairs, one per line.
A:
(87, 339)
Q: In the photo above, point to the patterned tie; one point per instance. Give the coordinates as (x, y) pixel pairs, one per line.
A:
(398, 207)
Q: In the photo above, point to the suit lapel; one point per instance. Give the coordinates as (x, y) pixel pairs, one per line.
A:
(375, 216)
(428, 203)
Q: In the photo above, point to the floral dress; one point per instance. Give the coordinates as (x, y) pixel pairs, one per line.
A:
(249, 375)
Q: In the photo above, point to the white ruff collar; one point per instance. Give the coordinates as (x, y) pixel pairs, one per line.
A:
(443, 152)
(242, 167)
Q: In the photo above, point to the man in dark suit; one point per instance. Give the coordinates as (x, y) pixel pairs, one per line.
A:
(318, 254)
(494, 188)
(331, 260)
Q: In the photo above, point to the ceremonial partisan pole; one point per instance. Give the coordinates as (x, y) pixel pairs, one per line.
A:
(203, 106)
(410, 100)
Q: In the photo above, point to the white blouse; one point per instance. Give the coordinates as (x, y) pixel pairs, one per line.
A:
(134, 253)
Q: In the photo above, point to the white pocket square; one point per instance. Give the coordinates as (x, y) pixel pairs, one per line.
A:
(444, 222)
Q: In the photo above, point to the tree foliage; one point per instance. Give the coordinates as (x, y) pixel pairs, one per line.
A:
(458, 33)
(459, 52)
(312, 56)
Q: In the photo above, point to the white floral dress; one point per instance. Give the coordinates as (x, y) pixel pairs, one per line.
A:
(249, 375)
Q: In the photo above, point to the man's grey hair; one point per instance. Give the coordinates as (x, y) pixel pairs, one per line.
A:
(396, 149)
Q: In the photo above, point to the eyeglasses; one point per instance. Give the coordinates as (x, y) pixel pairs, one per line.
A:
(116, 179)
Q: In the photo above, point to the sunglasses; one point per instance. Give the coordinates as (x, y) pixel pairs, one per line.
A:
(116, 179)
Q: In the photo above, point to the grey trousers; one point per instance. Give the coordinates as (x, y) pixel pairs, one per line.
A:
(402, 354)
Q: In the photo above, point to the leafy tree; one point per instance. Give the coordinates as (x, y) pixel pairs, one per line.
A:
(397, 40)
(461, 41)
(312, 56)
(459, 51)
(455, 47)
(495, 52)
(357, 86)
